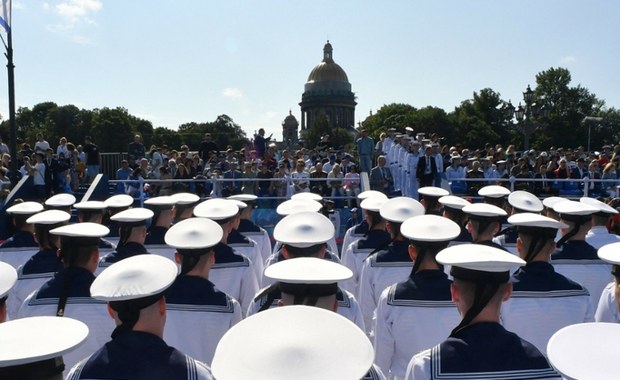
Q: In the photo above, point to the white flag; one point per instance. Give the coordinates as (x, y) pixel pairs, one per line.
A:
(5, 15)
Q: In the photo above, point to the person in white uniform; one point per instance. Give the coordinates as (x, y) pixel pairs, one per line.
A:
(93, 212)
(416, 313)
(598, 235)
(484, 222)
(44, 264)
(429, 197)
(480, 347)
(61, 201)
(163, 214)
(453, 210)
(294, 342)
(539, 294)
(68, 292)
(134, 290)
(519, 201)
(250, 229)
(595, 359)
(305, 235)
(33, 348)
(244, 245)
(608, 309)
(198, 313)
(8, 277)
(574, 257)
(232, 273)
(390, 264)
(358, 232)
(114, 205)
(376, 238)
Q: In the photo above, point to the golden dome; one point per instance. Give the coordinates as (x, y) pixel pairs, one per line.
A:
(327, 70)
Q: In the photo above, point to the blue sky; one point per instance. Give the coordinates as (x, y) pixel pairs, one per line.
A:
(179, 61)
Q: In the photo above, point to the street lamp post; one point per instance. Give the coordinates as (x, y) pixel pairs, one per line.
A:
(525, 115)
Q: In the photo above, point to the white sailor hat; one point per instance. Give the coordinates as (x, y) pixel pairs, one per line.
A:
(185, 198)
(293, 342)
(308, 270)
(49, 217)
(484, 210)
(90, 205)
(525, 201)
(467, 259)
(602, 207)
(8, 276)
(610, 253)
(243, 197)
(135, 277)
(573, 208)
(454, 202)
(86, 230)
(304, 229)
(119, 201)
(550, 202)
(304, 195)
(25, 208)
(216, 209)
(61, 200)
(371, 194)
(399, 209)
(30, 346)
(161, 202)
(433, 191)
(409, 129)
(455, 157)
(240, 204)
(293, 206)
(373, 204)
(194, 233)
(527, 219)
(136, 215)
(493, 191)
(430, 228)
(597, 354)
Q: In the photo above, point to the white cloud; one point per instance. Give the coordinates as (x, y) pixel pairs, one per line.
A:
(74, 16)
(233, 93)
(568, 59)
(75, 10)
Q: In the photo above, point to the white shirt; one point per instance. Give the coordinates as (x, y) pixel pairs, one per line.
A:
(238, 280)
(594, 276)
(38, 176)
(598, 236)
(17, 256)
(263, 241)
(353, 258)
(253, 252)
(607, 310)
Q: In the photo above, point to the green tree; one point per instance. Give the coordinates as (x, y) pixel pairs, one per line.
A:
(395, 115)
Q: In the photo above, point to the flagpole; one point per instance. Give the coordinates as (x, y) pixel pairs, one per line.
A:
(12, 122)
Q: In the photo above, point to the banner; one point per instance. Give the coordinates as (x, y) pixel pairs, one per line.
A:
(5, 15)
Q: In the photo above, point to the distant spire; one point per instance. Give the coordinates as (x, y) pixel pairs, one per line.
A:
(328, 52)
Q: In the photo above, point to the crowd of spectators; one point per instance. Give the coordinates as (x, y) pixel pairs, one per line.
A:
(396, 164)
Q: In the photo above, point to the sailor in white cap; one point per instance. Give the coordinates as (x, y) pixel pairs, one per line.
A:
(198, 313)
(132, 233)
(354, 255)
(43, 264)
(599, 235)
(608, 309)
(573, 253)
(429, 197)
(542, 300)
(484, 222)
(134, 290)
(68, 292)
(453, 210)
(93, 212)
(294, 342)
(479, 347)
(586, 351)
(232, 273)
(32, 348)
(519, 201)
(455, 174)
(116, 204)
(305, 235)
(22, 237)
(62, 201)
(549, 203)
(163, 214)
(184, 205)
(410, 166)
(243, 245)
(250, 229)
(495, 195)
(417, 312)
(8, 277)
(359, 231)
(387, 264)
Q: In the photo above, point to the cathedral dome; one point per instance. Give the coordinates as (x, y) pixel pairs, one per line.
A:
(327, 70)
